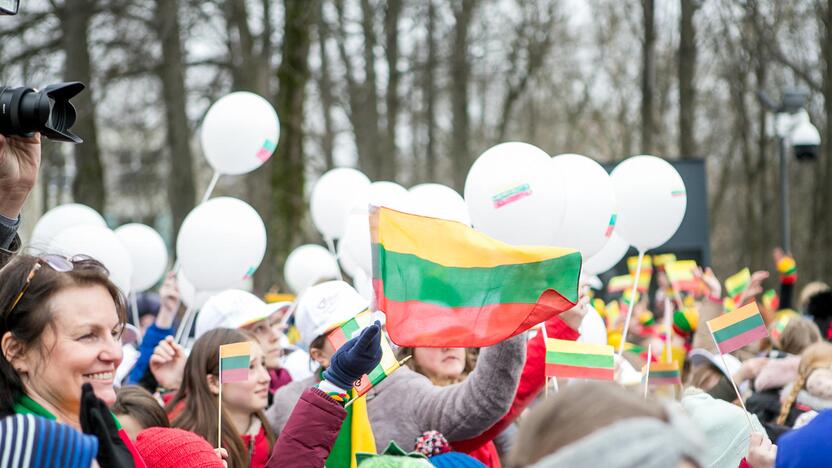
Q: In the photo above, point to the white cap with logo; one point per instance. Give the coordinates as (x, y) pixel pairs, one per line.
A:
(232, 308)
(323, 306)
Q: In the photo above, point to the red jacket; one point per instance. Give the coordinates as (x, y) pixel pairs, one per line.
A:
(531, 383)
(258, 448)
(310, 431)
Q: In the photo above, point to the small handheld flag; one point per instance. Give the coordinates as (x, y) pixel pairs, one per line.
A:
(662, 373)
(234, 362)
(352, 328)
(737, 283)
(571, 359)
(734, 330)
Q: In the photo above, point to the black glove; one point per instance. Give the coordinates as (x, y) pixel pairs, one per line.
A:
(355, 358)
(97, 420)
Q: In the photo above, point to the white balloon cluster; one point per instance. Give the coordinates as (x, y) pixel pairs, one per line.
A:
(516, 193)
(134, 254)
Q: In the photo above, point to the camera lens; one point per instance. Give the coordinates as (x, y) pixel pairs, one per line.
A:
(24, 111)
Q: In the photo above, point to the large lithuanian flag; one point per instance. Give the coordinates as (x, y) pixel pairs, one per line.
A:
(444, 284)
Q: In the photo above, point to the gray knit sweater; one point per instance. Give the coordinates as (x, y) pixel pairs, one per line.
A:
(406, 404)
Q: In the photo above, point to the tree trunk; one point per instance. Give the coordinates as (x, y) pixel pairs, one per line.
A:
(826, 155)
(430, 94)
(287, 166)
(460, 77)
(687, 71)
(648, 53)
(181, 190)
(391, 30)
(88, 186)
(325, 90)
(369, 97)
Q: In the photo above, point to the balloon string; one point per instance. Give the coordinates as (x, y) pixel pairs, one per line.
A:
(211, 185)
(632, 304)
(330, 243)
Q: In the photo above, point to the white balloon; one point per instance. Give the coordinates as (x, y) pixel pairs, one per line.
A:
(308, 265)
(438, 201)
(355, 244)
(192, 298)
(590, 203)
(147, 252)
(333, 196)
(347, 263)
(389, 194)
(651, 201)
(101, 244)
(221, 242)
(60, 218)
(239, 133)
(514, 195)
(610, 254)
(592, 328)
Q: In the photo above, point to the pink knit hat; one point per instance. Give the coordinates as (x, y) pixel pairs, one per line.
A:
(163, 447)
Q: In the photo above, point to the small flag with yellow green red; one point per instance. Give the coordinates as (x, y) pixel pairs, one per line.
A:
(234, 362)
(734, 330)
(661, 373)
(737, 283)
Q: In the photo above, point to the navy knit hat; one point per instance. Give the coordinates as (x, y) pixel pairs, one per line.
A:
(33, 442)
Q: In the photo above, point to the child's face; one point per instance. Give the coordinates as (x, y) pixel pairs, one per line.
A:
(253, 394)
(440, 363)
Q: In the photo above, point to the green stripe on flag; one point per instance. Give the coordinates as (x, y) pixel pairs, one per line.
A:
(579, 360)
(350, 328)
(407, 277)
(739, 328)
(235, 362)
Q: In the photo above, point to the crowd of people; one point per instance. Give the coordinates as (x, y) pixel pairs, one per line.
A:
(75, 390)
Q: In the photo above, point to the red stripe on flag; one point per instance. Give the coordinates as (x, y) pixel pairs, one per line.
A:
(737, 342)
(416, 323)
(574, 372)
(234, 375)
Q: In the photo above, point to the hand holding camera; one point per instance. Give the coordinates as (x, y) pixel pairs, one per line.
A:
(19, 164)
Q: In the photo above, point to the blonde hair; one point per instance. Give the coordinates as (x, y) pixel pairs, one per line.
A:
(810, 290)
(818, 355)
(470, 361)
(798, 335)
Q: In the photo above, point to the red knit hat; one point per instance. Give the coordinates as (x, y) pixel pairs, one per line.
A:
(163, 447)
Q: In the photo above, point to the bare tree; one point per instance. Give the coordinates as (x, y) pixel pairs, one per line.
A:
(687, 72)
(648, 52)
(460, 78)
(393, 10)
(88, 186)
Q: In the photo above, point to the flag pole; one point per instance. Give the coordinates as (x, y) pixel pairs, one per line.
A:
(731, 378)
(545, 340)
(668, 311)
(632, 303)
(219, 405)
(647, 373)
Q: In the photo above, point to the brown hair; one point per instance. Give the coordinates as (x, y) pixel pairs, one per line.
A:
(799, 333)
(200, 412)
(815, 356)
(700, 375)
(137, 402)
(579, 409)
(470, 362)
(32, 314)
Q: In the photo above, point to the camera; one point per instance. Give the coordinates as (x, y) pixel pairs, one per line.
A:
(805, 141)
(24, 111)
(9, 7)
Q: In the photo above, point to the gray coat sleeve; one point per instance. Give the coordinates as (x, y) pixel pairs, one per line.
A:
(467, 409)
(285, 399)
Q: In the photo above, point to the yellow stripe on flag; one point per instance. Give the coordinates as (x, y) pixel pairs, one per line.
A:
(723, 321)
(361, 433)
(242, 348)
(567, 346)
(400, 232)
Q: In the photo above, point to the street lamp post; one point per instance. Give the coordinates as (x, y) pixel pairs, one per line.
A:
(791, 126)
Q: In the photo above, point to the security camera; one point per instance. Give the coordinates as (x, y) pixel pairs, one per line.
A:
(805, 141)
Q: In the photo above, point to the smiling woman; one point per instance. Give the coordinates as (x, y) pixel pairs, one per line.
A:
(60, 324)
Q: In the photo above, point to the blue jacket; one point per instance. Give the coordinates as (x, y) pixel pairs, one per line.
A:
(809, 446)
(152, 337)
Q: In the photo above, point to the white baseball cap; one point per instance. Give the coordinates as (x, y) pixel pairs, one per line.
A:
(232, 308)
(324, 306)
(700, 356)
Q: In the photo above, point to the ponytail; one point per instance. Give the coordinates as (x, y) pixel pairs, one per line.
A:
(789, 401)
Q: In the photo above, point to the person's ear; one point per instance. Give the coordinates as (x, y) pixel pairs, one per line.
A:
(213, 384)
(13, 353)
(319, 356)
